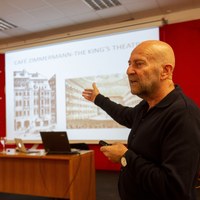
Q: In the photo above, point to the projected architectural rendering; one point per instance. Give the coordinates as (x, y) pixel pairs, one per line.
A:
(34, 102)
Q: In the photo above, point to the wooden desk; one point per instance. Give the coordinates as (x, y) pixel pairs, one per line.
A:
(60, 176)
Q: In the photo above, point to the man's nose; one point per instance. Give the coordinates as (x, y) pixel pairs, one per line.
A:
(130, 70)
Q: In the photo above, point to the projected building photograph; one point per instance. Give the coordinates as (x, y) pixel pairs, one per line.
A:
(81, 113)
(34, 102)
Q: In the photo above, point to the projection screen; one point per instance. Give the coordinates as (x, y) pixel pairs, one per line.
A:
(44, 86)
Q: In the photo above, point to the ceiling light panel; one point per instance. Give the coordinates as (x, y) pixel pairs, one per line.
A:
(102, 4)
(4, 25)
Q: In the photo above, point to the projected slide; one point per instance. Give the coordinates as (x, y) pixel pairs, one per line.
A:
(44, 86)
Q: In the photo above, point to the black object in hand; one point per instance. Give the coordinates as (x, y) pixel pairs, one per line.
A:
(103, 143)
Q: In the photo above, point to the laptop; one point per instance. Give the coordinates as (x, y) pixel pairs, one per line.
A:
(21, 147)
(56, 142)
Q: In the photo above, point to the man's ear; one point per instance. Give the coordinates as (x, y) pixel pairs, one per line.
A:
(167, 71)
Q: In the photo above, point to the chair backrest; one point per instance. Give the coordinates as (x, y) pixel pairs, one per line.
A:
(81, 146)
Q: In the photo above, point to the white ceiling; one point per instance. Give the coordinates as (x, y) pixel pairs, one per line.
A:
(40, 17)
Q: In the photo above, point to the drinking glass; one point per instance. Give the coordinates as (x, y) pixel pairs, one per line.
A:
(3, 142)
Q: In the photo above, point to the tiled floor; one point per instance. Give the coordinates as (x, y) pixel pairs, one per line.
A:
(106, 182)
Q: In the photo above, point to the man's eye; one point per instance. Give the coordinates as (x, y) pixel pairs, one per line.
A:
(139, 64)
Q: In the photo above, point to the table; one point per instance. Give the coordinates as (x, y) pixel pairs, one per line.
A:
(60, 176)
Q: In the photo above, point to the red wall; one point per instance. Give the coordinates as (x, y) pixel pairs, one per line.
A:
(185, 40)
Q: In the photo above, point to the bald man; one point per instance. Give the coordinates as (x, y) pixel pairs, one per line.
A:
(162, 156)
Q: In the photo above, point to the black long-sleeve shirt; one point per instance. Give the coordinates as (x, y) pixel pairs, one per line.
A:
(163, 147)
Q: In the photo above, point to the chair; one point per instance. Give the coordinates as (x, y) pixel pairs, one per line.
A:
(81, 146)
